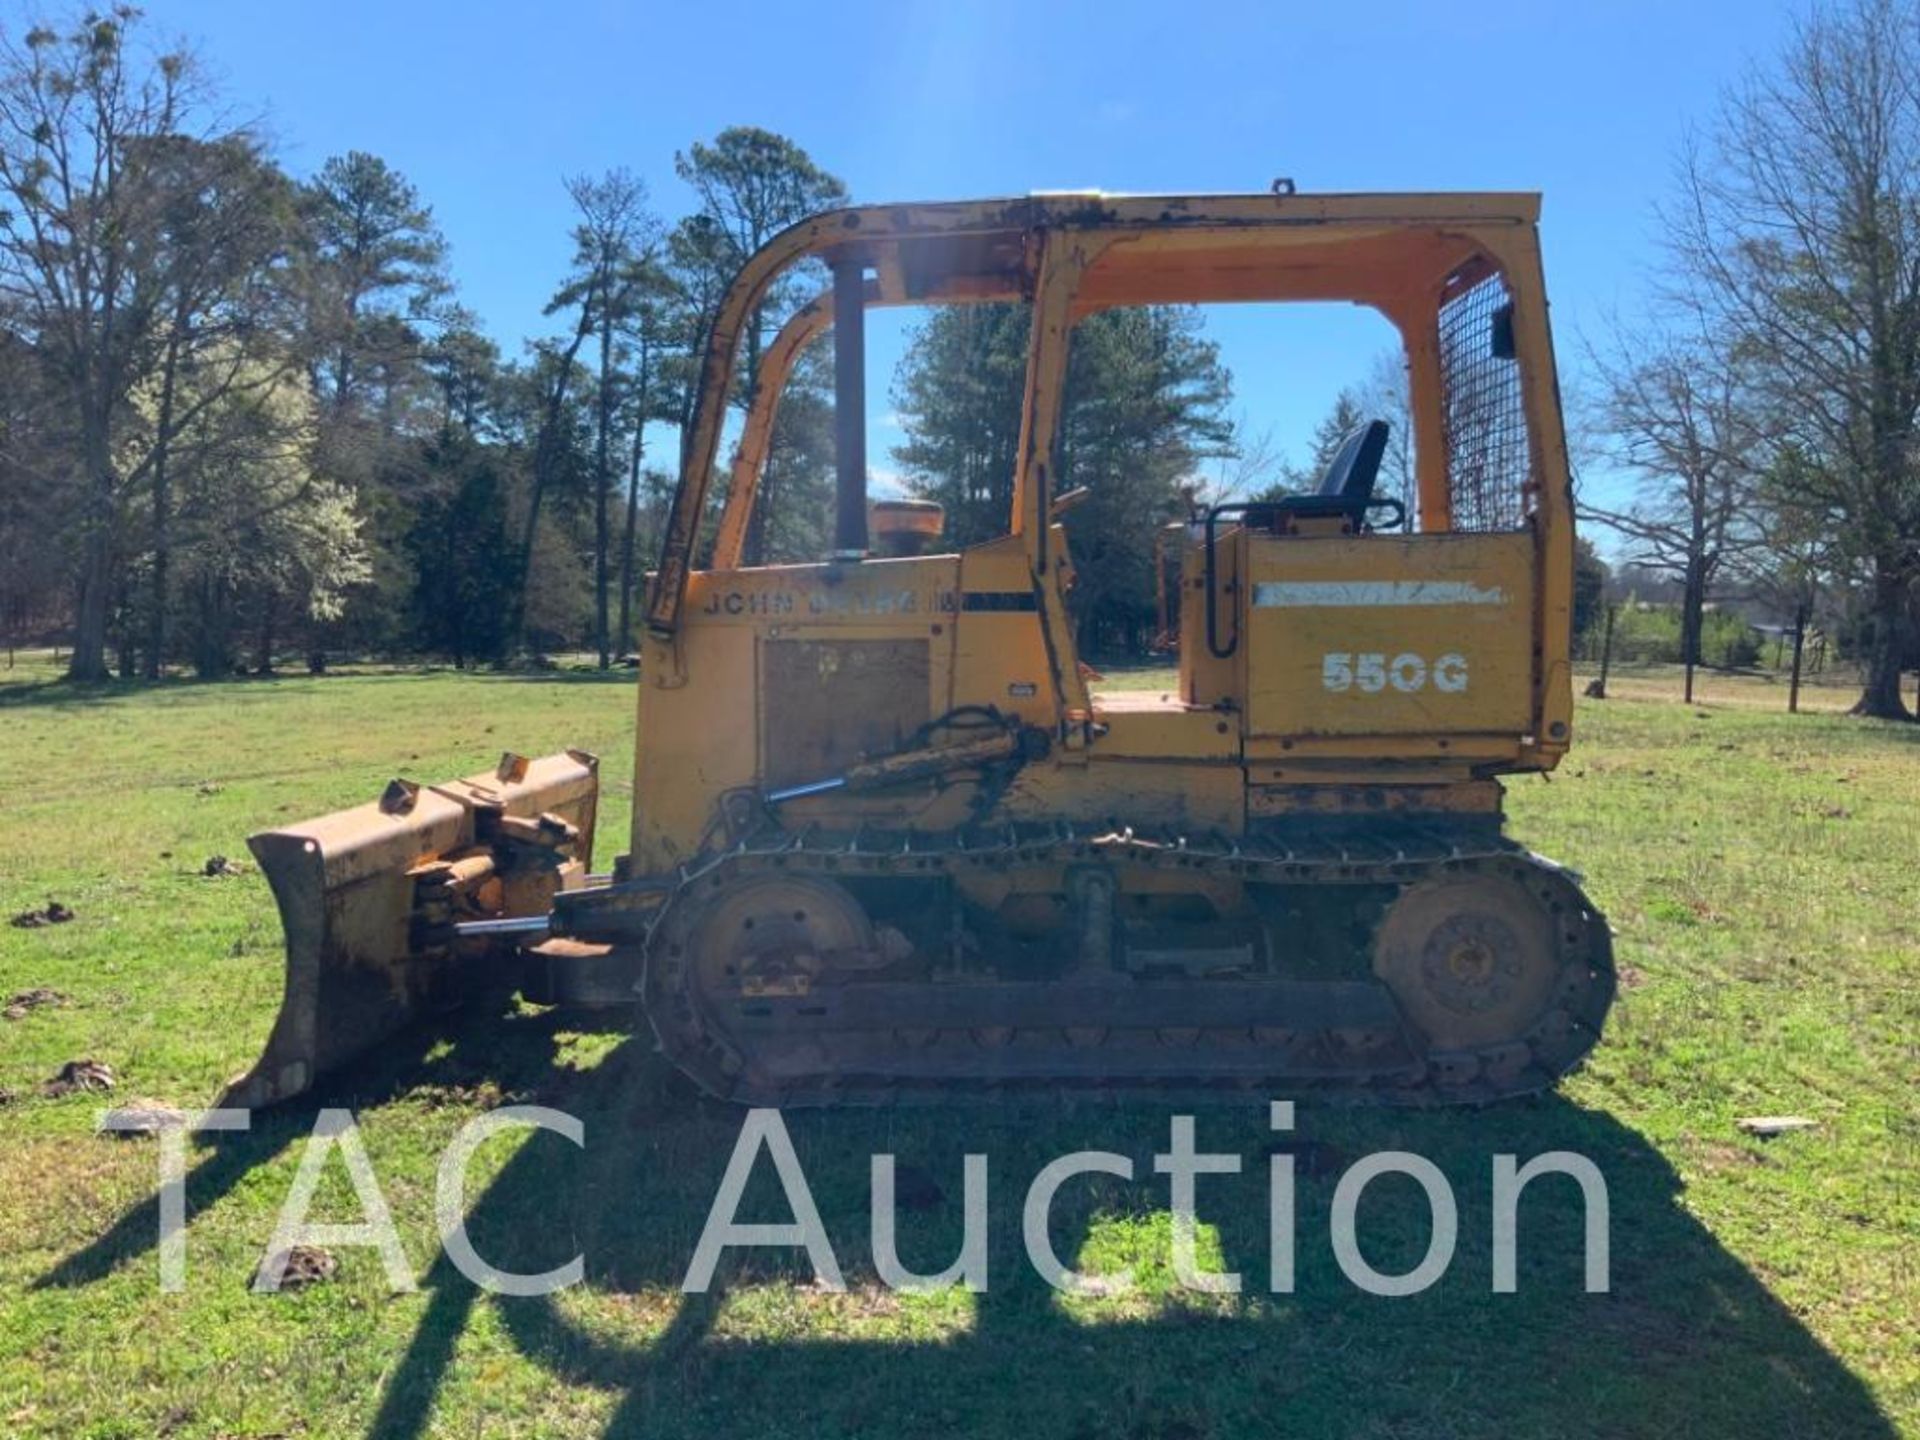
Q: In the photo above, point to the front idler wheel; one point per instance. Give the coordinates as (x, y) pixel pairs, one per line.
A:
(1471, 961)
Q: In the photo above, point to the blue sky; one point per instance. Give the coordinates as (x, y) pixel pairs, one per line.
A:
(485, 105)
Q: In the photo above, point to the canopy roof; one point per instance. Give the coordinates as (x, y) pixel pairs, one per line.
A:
(1171, 249)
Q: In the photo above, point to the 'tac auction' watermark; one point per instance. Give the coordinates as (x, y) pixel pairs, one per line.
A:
(1182, 1163)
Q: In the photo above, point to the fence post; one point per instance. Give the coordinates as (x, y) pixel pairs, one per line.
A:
(1597, 690)
(1799, 644)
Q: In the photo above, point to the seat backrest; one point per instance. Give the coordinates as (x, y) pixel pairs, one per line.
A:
(1355, 466)
(1345, 491)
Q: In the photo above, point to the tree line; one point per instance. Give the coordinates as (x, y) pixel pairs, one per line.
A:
(1764, 416)
(242, 412)
(245, 414)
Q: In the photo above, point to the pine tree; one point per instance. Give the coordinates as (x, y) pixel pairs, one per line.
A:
(1146, 403)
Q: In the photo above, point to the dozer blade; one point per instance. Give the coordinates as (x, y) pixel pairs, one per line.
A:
(369, 898)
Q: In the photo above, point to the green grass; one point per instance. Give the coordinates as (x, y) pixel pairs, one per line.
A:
(1758, 869)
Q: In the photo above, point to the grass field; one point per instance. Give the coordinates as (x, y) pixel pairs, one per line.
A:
(1759, 870)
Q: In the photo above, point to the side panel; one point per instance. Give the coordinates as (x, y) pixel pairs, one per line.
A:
(1425, 635)
(1206, 678)
(1000, 656)
(784, 674)
(1193, 797)
(836, 702)
(695, 737)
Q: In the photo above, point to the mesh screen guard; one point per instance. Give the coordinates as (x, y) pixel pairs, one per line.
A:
(1486, 425)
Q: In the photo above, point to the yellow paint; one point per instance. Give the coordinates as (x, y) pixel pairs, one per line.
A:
(1374, 662)
(1318, 661)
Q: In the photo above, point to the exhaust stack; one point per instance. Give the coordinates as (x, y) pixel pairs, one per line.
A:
(850, 409)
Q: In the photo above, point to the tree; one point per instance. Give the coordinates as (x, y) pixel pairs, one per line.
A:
(614, 284)
(34, 444)
(556, 373)
(1797, 230)
(751, 184)
(374, 282)
(1146, 403)
(79, 232)
(1676, 418)
(465, 366)
(648, 333)
(1793, 564)
(1383, 395)
(699, 265)
(1328, 436)
(958, 393)
(543, 414)
(800, 463)
(461, 547)
(261, 536)
(1589, 585)
(376, 266)
(224, 230)
(613, 244)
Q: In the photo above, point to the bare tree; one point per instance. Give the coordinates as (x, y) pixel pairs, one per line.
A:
(1791, 579)
(1257, 463)
(1798, 231)
(1672, 415)
(33, 485)
(77, 232)
(1382, 395)
(1794, 564)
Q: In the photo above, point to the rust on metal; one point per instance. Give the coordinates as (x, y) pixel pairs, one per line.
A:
(367, 897)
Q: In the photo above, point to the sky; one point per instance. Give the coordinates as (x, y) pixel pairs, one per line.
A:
(485, 105)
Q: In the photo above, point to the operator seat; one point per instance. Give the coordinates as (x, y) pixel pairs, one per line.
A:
(1355, 466)
(1346, 489)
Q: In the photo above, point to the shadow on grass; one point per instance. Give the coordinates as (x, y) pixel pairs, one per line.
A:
(1687, 1342)
(432, 1054)
(61, 694)
(618, 675)
(65, 695)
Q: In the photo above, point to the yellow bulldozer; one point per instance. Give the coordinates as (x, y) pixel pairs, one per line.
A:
(889, 843)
